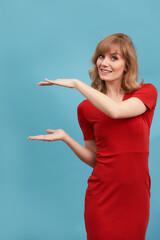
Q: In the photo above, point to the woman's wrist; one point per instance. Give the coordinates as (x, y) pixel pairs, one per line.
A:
(65, 137)
(76, 82)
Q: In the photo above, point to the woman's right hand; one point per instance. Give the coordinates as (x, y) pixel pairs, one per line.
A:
(54, 135)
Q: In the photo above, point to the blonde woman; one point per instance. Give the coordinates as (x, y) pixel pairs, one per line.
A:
(115, 119)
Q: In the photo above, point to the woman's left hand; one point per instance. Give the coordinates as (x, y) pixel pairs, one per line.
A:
(70, 83)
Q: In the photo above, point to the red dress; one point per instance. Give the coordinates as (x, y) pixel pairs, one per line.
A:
(117, 200)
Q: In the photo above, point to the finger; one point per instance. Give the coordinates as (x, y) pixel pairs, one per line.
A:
(50, 131)
(44, 83)
(29, 137)
(50, 81)
(39, 137)
(32, 138)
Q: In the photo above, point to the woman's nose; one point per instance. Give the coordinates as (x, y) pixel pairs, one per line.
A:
(105, 61)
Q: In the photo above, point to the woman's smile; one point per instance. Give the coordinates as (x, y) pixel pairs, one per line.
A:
(105, 71)
(111, 65)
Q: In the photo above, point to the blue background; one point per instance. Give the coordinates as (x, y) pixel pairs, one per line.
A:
(42, 184)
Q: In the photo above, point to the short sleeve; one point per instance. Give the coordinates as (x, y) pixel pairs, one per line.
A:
(85, 125)
(147, 94)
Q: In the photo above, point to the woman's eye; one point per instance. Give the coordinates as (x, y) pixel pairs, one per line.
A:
(114, 58)
(101, 56)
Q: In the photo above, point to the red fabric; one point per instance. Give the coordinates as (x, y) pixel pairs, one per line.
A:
(117, 200)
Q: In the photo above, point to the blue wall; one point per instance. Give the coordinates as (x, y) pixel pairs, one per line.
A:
(42, 184)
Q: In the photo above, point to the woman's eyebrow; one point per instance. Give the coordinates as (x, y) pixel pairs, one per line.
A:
(115, 53)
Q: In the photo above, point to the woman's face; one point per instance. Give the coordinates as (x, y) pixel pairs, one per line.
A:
(111, 65)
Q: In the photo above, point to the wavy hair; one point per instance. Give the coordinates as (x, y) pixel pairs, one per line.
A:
(128, 52)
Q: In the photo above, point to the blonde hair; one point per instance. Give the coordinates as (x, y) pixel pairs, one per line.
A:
(128, 52)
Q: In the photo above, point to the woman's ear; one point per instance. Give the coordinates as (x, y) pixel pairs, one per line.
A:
(125, 70)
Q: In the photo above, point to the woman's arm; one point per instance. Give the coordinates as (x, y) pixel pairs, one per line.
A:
(129, 108)
(85, 154)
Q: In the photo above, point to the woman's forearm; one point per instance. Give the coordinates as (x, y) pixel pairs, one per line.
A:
(84, 154)
(101, 101)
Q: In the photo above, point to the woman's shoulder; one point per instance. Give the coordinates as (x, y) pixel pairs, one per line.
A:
(147, 91)
(84, 103)
(146, 87)
(150, 89)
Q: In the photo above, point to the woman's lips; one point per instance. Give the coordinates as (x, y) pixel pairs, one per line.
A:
(105, 71)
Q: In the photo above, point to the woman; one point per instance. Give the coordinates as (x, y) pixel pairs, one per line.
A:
(115, 120)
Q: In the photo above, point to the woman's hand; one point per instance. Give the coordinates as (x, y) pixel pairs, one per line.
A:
(58, 134)
(70, 83)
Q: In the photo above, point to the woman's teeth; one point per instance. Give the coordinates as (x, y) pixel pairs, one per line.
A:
(105, 71)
